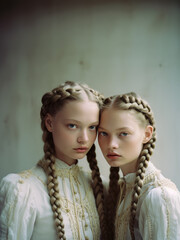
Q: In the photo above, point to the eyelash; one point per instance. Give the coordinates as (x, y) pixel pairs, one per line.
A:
(74, 126)
(123, 134)
(93, 127)
(103, 134)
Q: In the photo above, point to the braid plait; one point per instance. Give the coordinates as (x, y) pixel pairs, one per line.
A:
(98, 190)
(131, 101)
(52, 102)
(48, 164)
(142, 107)
(112, 200)
(99, 96)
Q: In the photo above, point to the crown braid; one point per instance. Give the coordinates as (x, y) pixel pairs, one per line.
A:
(52, 102)
(131, 101)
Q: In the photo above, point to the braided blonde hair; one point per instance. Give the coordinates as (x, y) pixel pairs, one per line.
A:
(52, 102)
(131, 101)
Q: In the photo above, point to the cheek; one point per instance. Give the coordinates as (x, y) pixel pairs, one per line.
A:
(101, 143)
(92, 136)
(63, 136)
(135, 147)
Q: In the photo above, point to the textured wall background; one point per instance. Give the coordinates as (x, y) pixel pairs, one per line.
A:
(114, 46)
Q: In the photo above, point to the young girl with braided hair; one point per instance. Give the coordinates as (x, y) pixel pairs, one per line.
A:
(56, 199)
(143, 204)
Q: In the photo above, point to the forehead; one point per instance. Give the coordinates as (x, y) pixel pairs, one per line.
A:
(80, 111)
(114, 118)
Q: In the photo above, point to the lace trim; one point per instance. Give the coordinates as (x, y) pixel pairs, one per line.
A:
(64, 172)
(122, 221)
(80, 213)
(84, 210)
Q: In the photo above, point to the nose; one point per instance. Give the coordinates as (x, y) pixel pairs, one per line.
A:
(83, 137)
(113, 143)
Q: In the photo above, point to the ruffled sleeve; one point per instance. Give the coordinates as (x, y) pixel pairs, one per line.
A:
(17, 212)
(160, 215)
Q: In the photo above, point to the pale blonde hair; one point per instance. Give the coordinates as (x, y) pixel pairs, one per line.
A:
(141, 109)
(52, 102)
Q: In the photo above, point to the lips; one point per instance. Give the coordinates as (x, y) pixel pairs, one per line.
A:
(113, 155)
(81, 149)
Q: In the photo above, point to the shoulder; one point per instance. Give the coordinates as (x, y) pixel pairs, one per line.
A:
(157, 188)
(14, 193)
(160, 212)
(10, 181)
(162, 192)
(162, 200)
(22, 183)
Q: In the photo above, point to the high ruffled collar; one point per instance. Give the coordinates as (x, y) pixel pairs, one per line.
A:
(126, 183)
(65, 171)
(130, 178)
(61, 164)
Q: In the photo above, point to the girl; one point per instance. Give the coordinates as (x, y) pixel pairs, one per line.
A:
(143, 204)
(55, 200)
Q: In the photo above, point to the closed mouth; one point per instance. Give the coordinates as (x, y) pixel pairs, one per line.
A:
(113, 155)
(81, 148)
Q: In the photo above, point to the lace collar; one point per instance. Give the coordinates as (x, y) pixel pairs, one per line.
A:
(65, 171)
(130, 178)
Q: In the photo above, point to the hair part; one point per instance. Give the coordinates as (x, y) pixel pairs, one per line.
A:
(142, 111)
(52, 102)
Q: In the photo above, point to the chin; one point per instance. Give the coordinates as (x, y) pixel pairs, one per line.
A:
(113, 164)
(81, 155)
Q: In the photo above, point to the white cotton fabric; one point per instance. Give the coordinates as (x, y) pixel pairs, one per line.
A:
(158, 213)
(25, 210)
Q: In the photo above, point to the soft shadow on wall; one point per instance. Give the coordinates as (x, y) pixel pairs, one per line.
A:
(114, 46)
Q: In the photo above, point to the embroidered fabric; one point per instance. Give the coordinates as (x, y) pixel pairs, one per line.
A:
(28, 199)
(158, 213)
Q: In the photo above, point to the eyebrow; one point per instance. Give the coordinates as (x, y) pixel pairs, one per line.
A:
(118, 129)
(101, 128)
(79, 122)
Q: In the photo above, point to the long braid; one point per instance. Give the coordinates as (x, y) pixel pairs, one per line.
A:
(112, 199)
(48, 165)
(98, 190)
(131, 101)
(52, 102)
(134, 102)
(113, 191)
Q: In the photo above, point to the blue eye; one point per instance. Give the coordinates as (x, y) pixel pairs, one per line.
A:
(71, 126)
(123, 134)
(104, 134)
(93, 127)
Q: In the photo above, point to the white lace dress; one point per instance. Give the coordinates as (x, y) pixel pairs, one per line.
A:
(25, 210)
(158, 213)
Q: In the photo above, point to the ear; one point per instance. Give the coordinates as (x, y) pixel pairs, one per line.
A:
(48, 122)
(148, 133)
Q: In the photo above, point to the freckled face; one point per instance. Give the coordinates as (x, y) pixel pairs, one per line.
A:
(74, 129)
(121, 138)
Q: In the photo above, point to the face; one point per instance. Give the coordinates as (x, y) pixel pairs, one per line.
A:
(121, 137)
(74, 129)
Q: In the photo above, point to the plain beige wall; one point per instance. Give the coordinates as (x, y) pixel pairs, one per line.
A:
(114, 46)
